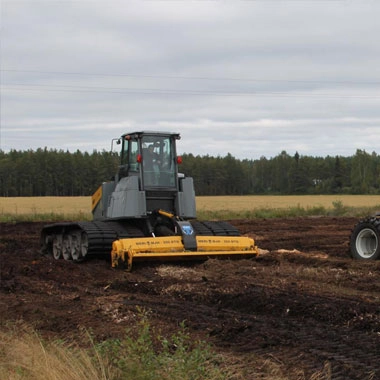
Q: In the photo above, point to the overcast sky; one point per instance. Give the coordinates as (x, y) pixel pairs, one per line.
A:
(252, 78)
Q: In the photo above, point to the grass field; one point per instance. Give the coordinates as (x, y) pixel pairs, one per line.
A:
(250, 202)
(45, 205)
(222, 207)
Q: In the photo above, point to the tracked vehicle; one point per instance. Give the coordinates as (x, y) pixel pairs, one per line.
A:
(146, 212)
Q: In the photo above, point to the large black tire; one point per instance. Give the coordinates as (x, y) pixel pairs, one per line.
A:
(365, 240)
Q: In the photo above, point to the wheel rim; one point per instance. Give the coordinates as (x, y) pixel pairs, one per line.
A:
(66, 247)
(76, 251)
(57, 247)
(366, 243)
(83, 244)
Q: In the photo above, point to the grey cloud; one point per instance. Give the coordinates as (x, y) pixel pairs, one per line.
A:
(249, 78)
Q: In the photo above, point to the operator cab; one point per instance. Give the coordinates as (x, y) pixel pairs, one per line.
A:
(151, 156)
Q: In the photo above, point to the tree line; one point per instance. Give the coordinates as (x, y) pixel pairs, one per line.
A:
(285, 174)
(60, 173)
(54, 173)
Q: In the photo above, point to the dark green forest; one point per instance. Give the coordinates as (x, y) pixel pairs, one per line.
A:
(61, 173)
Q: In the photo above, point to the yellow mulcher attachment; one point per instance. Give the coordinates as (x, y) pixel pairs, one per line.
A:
(125, 251)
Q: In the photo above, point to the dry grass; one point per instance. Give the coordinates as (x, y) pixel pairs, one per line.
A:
(45, 205)
(23, 355)
(252, 202)
(67, 206)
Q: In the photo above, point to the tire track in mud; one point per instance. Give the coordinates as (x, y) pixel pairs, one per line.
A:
(291, 326)
(351, 355)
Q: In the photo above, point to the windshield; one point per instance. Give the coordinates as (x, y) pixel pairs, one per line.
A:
(158, 161)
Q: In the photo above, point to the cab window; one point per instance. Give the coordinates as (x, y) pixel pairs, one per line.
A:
(158, 162)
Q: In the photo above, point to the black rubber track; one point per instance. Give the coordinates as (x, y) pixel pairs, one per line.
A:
(100, 235)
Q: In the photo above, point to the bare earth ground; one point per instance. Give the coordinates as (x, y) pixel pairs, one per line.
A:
(305, 306)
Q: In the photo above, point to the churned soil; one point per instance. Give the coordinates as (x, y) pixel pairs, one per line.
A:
(303, 306)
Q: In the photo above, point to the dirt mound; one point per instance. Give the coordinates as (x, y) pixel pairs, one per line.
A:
(304, 305)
